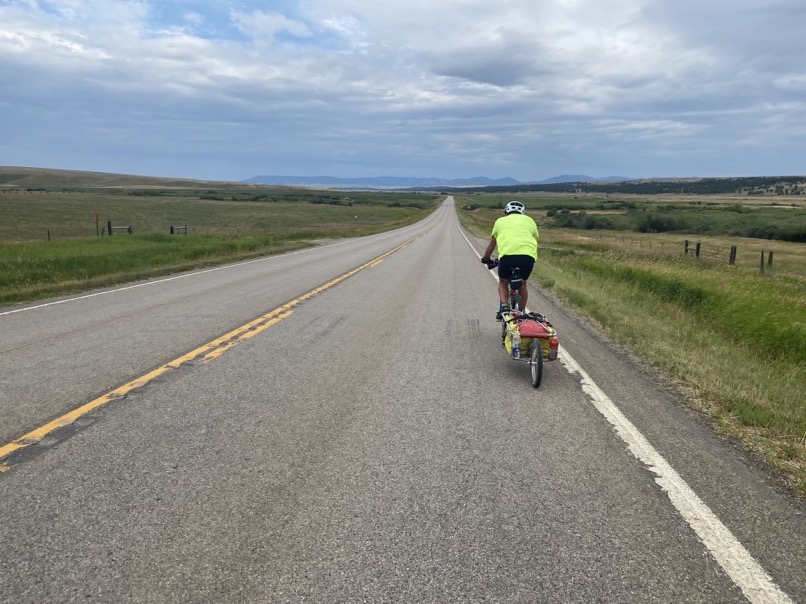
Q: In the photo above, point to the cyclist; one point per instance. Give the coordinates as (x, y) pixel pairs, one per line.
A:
(515, 235)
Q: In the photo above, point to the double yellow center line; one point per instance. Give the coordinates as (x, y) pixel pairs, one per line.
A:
(204, 353)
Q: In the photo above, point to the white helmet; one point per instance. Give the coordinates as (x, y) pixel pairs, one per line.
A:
(514, 206)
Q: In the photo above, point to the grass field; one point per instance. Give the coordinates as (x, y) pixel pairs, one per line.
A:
(32, 270)
(777, 218)
(43, 215)
(789, 258)
(734, 337)
(50, 243)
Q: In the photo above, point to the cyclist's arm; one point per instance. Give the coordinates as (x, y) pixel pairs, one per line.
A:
(490, 247)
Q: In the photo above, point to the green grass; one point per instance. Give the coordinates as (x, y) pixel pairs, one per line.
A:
(48, 242)
(734, 336)
(734, 303)
(43, 215)
(33, 270)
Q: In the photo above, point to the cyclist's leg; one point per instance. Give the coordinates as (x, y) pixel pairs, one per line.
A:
(503, 291)
(504, 274)
(526, 264)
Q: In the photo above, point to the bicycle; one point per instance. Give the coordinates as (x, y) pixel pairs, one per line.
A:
(523, 331)
(515, 284)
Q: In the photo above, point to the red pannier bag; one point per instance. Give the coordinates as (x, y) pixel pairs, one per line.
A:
(532, 329)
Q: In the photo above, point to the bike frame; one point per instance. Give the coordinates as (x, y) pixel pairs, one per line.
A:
(515, 285)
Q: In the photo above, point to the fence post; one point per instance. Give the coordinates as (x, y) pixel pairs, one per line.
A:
(685, 247)
(732, 257)
(769, 260)
(128, 229)
(697, 250)
(109, 227)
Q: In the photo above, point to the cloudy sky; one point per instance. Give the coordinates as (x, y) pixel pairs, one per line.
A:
(227, 90)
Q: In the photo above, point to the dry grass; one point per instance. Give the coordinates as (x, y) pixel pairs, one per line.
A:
(18, 177)
(49, 243)
(788, 258)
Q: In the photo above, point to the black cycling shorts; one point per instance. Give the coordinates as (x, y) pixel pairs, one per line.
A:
(507, 263)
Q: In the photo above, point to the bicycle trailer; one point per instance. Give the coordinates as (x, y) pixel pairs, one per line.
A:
(529, 327)
(531, 338)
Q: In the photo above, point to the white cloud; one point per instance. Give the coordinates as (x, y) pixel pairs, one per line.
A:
(420, 86)
(791, 81)
(266, 25)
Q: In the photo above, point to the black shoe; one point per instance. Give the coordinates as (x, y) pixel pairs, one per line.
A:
(501, 311)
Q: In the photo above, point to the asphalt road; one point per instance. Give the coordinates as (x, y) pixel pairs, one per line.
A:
(370, 442)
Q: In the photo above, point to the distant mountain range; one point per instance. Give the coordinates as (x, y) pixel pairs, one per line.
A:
(402, 182)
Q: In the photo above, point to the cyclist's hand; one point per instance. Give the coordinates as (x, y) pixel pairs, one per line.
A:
(486, 260)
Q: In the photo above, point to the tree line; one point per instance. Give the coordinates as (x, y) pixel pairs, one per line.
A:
(750, 185)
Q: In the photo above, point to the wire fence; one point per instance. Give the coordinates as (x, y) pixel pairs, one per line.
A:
(717, 253)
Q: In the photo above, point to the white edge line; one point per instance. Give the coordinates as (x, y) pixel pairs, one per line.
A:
(757, 586)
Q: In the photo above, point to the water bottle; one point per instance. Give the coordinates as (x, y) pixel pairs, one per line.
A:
(516, 346)
(554, 344)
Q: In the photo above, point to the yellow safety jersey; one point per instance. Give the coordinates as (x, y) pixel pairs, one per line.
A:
(516, 235)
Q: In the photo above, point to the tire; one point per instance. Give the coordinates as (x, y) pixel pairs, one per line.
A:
(536, 363)
(515, 303)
